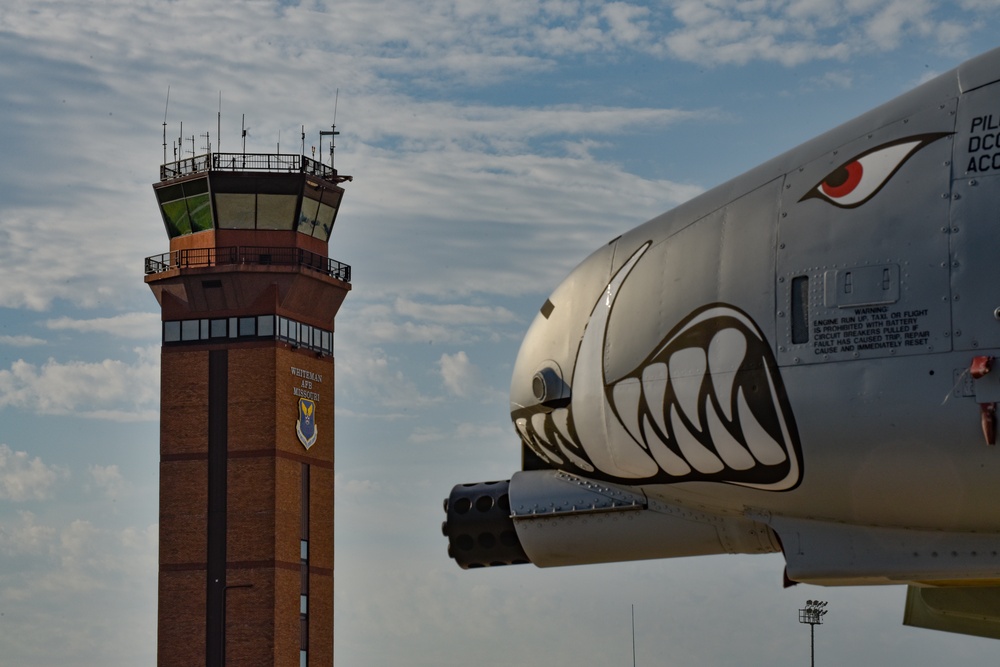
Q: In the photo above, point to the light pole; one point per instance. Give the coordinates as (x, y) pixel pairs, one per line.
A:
(813, 614)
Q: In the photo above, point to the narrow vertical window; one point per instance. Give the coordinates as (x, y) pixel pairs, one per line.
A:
(304, 565)
(800, 310)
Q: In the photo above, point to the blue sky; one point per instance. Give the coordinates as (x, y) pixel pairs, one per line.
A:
(494, 144)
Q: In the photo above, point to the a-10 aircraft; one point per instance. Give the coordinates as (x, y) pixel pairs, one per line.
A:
(799, 360)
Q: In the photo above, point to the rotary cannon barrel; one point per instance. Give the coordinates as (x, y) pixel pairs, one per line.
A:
(479, 526)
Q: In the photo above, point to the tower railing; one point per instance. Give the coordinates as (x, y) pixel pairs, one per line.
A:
(254, 255)
(267, 162)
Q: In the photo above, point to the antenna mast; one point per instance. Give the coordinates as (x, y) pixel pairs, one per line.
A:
(332, 133)
(218, 126)
(336, 101)
(165, 107)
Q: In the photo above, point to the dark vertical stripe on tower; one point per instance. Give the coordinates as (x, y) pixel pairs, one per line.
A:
(218, 427)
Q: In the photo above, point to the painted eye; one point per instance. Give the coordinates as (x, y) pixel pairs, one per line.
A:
(858, 180)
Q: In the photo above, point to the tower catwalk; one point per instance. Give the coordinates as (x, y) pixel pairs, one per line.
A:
(248, 298)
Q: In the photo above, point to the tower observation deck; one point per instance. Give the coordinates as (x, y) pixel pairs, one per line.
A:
(248, 297)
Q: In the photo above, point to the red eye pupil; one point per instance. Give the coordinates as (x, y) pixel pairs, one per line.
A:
(842, 181)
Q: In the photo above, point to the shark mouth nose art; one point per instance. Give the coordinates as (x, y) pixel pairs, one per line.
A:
(707, 404)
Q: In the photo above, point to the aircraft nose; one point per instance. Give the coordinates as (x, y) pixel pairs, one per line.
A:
(543, 371)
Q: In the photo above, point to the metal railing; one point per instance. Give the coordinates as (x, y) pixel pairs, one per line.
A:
(268, 162)
(255, 255)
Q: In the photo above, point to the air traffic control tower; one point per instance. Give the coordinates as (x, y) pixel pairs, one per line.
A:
(248, 296)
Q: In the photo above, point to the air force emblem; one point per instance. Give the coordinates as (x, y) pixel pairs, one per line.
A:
(305, 426)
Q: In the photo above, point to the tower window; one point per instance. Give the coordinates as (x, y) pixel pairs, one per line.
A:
(171, 332)
(190, 329)
(266, 327)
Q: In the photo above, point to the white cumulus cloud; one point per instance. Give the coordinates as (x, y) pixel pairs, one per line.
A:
(25, 478)
(460, 376)
(109, 389)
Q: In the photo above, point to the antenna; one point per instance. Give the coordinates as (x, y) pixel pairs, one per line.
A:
(336, 101)
(332, 133)
(303, 141)
(180, 142)
(243, 126)
(279, 142)
(208, 142)
(165, 107)
(218, 126)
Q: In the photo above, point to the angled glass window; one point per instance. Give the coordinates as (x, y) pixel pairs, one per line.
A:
(324, 222)
(276, 211)
(236, 211)
(186, 207)
(200, 210)
(175, 216)
(307, 215)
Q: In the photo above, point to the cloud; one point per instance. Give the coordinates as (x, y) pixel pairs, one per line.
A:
(377, 383)
(109, 389)
(21, 341)
(24, 535)
(460, 376)
(109, 480)
(24, 478)
(127, 325)
(456, 314)
(737, 32)
(90, 581)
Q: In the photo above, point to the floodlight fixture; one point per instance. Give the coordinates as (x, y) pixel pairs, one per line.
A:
(812, 614)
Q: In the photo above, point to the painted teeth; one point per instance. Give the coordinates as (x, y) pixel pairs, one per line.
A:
(685, 374)
(707, 404)
(725, 355)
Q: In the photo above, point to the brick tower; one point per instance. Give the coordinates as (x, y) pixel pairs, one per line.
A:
(248, 297)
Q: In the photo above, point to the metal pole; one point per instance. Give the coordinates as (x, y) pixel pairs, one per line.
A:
(633, 635)
(812, 645)
(813, 614)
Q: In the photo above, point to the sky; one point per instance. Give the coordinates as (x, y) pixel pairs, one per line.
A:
(494, 144)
